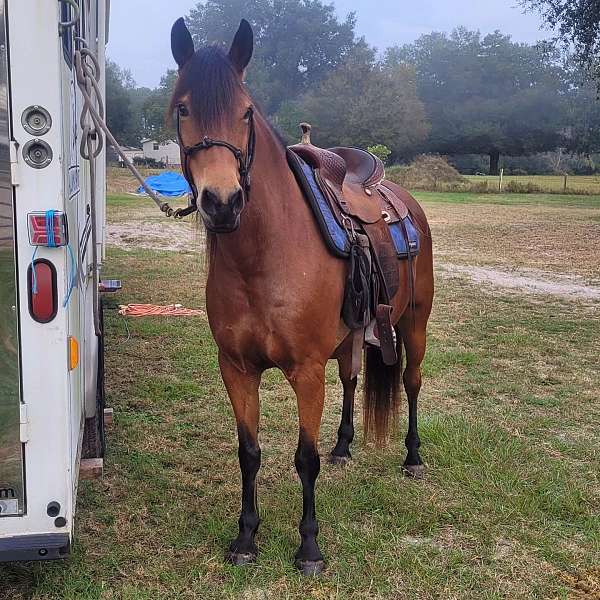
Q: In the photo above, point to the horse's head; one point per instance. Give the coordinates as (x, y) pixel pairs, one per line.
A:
(215, 122)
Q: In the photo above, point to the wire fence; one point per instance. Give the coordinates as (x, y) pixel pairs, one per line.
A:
(580, 184)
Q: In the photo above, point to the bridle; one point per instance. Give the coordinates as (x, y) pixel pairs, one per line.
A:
(244, 159)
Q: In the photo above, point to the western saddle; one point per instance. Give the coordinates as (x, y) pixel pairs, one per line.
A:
(352, 180)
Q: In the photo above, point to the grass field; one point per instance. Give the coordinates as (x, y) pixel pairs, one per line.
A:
(549, 183)
(509, 508)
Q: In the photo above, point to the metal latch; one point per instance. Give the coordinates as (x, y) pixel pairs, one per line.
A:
(23, 424)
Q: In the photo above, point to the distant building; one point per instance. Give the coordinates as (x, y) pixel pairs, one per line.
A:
(130, 153)
(165, 152)
(114, 158)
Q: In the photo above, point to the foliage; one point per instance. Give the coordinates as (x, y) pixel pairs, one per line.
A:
(487, 95)
(119, 112)
(366, 103)
(136, 113)
(298, 42)
(156, 122)
(150, 163)
(380, 151)
(518, 187)
(288, 120)
(426, 172)
(547, 163)
(578, 23)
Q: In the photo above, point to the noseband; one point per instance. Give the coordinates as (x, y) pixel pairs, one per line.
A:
(244, 160)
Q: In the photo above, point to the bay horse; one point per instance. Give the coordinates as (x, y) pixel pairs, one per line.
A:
(274, 292)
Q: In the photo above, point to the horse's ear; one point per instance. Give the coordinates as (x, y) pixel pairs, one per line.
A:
(182, 44)
(242, 47)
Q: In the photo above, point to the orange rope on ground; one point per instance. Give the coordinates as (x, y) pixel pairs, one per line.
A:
(153, 310)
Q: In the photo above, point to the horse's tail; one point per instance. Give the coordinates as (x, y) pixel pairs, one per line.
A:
(381, 402)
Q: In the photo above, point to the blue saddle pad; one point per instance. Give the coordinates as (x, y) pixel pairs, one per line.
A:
(405, 234)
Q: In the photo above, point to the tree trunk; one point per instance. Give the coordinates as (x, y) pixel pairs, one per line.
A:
(494, 162)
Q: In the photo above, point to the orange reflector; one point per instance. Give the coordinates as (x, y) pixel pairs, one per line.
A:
(73, 353)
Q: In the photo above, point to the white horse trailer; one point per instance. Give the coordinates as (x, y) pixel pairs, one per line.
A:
(51, 403)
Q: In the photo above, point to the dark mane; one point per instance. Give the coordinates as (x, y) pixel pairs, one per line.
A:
(212, 84)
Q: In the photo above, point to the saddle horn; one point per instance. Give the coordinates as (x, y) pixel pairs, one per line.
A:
(306, 129)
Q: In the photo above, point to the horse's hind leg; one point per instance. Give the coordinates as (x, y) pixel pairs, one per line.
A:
(243, 393)
(340, 455)
(413, 334)
(309, 384)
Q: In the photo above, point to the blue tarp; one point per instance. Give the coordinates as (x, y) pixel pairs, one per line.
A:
(169, 184)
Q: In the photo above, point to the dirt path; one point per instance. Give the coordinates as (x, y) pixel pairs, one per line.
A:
(528, 281)
(166, 235)
(185, 237)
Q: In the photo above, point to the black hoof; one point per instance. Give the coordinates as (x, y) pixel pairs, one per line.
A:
(414, 471)
(341, 461)
(310, 568)
(239, 559)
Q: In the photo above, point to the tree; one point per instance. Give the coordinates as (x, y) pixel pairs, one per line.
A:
(380, 151)
(365, 103)
(156, 124)
(578, 23)
(298, 42)
(487, 95)
(119, 114)
(583, 136)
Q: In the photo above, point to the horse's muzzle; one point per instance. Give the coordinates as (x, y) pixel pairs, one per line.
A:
(219, 216)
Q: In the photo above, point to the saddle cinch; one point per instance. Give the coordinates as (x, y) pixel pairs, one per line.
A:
(366, 221)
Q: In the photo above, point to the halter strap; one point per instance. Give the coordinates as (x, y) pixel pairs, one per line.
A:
(244, 160)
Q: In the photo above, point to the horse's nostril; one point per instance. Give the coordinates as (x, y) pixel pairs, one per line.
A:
(210, 202)
(236, 200)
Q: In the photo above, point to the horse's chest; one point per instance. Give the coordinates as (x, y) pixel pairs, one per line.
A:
(249, 323)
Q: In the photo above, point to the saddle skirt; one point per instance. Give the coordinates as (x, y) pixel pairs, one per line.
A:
(382, 204)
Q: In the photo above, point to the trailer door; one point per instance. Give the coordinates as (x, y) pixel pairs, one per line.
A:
(12, 501)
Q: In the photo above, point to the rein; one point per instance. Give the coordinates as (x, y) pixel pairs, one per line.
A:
(244, 160)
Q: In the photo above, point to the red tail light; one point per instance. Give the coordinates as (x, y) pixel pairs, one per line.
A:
(48, 229)
(43, 295)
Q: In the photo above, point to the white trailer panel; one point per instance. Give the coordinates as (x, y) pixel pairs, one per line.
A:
(44, 407)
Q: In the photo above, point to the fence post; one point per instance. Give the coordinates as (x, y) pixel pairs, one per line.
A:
(565, 183)
(501, 180)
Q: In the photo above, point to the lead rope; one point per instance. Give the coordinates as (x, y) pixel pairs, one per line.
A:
(92, 121)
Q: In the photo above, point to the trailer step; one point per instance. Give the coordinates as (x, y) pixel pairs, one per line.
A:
(110, 286)
(91, 468)
(108, 416)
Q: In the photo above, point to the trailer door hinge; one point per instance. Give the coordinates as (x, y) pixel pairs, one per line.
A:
(24, 425)
(14, 163)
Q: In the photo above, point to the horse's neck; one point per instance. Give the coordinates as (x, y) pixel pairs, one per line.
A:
(274, 211)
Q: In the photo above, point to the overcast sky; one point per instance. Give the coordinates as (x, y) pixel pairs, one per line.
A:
(140, 29)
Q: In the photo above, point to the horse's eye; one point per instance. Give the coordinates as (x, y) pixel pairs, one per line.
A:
(182, 110)
(248, 114)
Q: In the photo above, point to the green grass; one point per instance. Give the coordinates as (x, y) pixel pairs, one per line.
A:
(509, 425)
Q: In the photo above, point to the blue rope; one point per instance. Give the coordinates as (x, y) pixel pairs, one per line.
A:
(72, 277)
(33, 273)
(50, 229)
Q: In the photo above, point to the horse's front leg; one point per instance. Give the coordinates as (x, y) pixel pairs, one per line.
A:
(309, 385)
(243, 393)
